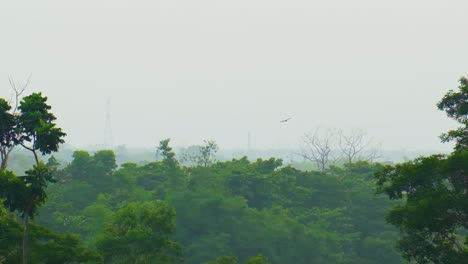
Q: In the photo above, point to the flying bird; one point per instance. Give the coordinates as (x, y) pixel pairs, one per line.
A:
(285, 120)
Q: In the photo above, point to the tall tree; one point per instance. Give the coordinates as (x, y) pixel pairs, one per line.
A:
(317, 146)
(434, 194)
(354, 145)
(31, 125)
(203, 156)
(167, 153)
(170, 166)
(9, 134)
(207, 155)
(25, 195)
(36, 126)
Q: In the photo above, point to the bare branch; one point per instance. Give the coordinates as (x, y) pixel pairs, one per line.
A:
(355, 146)
(18, 89)
(317, 146)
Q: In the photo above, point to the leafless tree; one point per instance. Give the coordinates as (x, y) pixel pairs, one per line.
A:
(355, 145)
(317, 146)
(203, 156)
(8, 136)
(18, 89)
(374, 152)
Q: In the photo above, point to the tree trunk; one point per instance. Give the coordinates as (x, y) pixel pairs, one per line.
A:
(4, 158)
(4, 163)
(25, 238)
(35, 156)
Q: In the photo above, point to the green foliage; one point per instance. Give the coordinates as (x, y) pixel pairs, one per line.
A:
(81, 165)
(140, 233)
(7, 122)
(224, 260)
(32, 127)
(219, 245)
(233, 260)
(96, 216)
(168, 154)
(25, 194)
(10, 236)
(50, 247)
(234, 208)
(229, 211)
(435, 193)
(7, 132)
(260, 259)
(433, 215)
(46, 245)
(104, 162)
(53, 248)
(36, 125)
(99, 166)
(455, 104)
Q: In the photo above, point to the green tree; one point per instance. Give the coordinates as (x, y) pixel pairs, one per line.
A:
(141, 233)
(33, 128)
(207, 154)
(104, 163)
(81, 165)
(434, 194)
(103, 166)
(171, 169)
(168, 155)
(26, 194)
(30, 124)
(36, 126)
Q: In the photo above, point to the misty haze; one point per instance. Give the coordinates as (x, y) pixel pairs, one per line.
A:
(233, 132)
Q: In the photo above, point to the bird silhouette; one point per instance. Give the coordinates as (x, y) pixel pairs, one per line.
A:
(285, 120)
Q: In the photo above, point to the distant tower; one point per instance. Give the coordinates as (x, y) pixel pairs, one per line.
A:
(108, 142)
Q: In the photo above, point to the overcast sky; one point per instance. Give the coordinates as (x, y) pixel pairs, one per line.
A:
(213, 69)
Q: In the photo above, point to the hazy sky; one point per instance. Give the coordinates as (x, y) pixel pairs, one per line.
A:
(214, 69)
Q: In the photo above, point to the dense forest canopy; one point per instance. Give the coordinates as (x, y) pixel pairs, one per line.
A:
(91, 210)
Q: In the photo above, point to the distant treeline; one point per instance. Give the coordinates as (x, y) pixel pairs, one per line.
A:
(236, 208)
